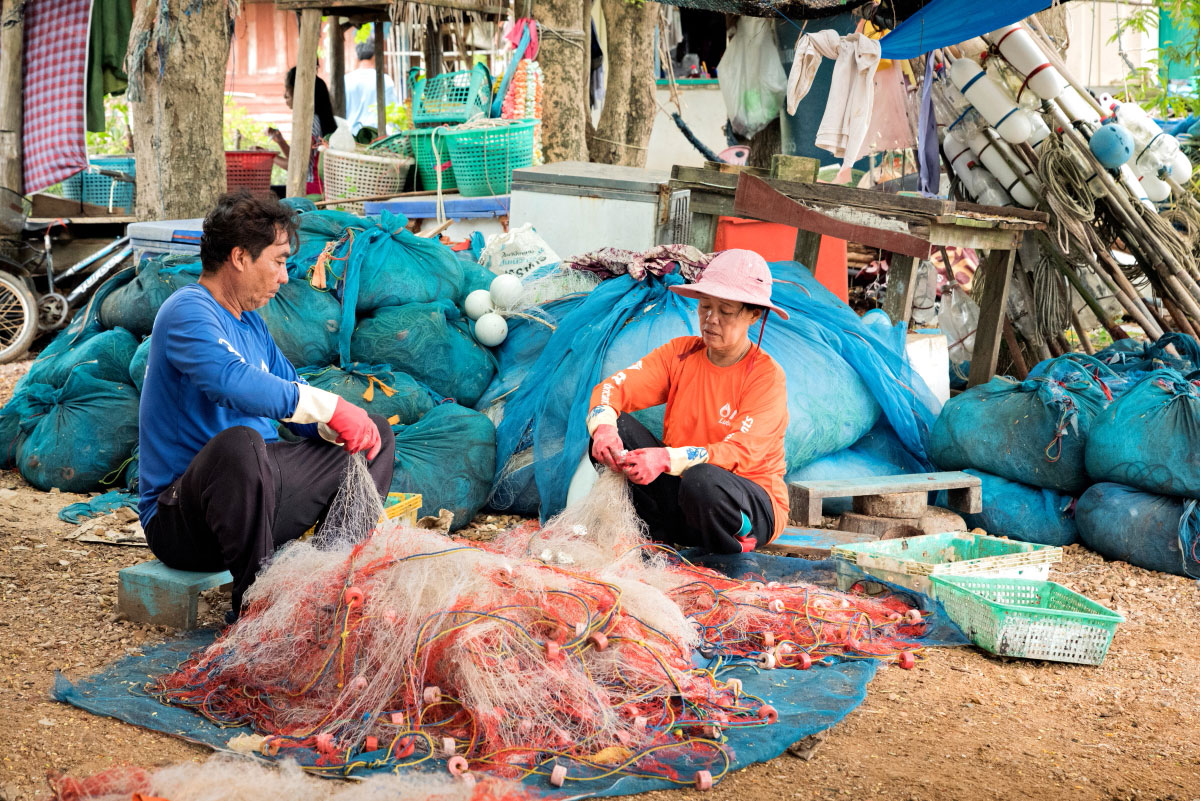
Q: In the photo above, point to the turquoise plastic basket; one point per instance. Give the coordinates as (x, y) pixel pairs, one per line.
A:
(432, 157)
(452, 97)
(484, 157)
(100, 190)
(396, 143)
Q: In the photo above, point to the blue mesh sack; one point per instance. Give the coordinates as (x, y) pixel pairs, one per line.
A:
(304, 323)
(1134, 356)
(1157, 532)
(1021, 512)
(314, 231)
(1031, 431)
(105, 355)
(848, 373)
(1148, 437)
(11, 433)
(134, 305)
(432, 343)
(137, 365)
(77, 438)
(449, 456)
(527, 337)
(396, 267)
(475, 276)
(378, 389)
(131, 473)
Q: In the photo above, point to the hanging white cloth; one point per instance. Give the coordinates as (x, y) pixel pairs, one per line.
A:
(851, 91)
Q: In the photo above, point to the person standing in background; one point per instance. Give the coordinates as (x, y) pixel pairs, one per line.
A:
(360, 90)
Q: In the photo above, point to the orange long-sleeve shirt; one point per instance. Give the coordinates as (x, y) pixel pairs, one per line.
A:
(733, 417)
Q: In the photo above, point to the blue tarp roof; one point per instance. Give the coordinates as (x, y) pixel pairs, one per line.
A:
(947, 22)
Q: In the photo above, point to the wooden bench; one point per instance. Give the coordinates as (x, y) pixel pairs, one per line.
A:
(964, 492)
(154, 593)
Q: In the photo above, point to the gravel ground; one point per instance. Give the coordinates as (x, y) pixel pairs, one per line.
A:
(963, 725)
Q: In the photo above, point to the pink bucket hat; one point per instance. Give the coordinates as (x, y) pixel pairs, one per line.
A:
(738, 275)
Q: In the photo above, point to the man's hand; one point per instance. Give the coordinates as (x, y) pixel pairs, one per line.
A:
(646, 464)
(355, 429)
(607, 446)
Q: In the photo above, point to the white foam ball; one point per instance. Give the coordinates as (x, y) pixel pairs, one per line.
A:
(491, 329)
(506, 290)
(478, 303)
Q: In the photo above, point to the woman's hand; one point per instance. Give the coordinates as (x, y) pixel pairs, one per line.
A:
(607, 448)
(646, 464)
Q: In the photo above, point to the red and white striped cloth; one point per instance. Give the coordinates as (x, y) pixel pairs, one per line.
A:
(56, 43)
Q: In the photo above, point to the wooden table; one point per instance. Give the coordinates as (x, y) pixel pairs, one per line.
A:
(911, 228)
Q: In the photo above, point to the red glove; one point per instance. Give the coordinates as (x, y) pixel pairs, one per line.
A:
(607, 446)
(355, 429)
(646, 464)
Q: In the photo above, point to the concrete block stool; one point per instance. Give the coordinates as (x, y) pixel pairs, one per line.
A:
(154, 593)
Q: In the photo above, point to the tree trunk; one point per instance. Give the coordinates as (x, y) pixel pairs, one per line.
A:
(765, 144)
(176, 64)
(628, 113)
(565, 58)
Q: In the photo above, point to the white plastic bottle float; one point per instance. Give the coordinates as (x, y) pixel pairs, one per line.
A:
(996, 157)
(1156, 149)
(992, 101)
(1130, 179)
(1076, 108)
(982, 185)
(1023, 53)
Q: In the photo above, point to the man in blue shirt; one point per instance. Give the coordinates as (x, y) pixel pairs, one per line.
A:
(360, 90)
(219, 490)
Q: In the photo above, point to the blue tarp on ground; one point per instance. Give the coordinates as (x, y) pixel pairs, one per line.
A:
(807, 701)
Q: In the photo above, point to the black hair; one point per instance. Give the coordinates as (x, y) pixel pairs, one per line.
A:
(365, 50)
(243, 220)
(322, 103)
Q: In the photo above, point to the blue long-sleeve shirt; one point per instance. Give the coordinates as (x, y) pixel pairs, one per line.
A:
(207, 371)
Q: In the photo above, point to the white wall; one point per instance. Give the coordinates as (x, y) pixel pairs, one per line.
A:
(1094, 60)
(703, 111)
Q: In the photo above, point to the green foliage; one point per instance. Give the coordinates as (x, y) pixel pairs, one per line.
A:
(399, 117)
(114, 140)
(364, 33)
(1148, 85)
(239, 121)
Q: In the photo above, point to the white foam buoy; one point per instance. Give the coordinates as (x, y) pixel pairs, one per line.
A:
(1020, 50)
(506, 290)
(994, 159)
(478, 303)
(992, 102)
(979, 182)
(491, 329)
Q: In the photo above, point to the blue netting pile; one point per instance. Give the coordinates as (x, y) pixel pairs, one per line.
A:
(1021, 512)
(1131, 356)
(1157, 532)
(844, 376)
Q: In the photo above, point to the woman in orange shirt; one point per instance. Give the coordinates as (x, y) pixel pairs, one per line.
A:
(716, 478)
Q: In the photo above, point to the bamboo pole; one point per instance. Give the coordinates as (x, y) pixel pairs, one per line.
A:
(302, 102)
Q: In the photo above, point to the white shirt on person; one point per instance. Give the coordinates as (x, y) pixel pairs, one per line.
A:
(360, 97)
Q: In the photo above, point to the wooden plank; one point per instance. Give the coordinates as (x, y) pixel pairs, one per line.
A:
(703, 231)
(800, 169)
(997, 275)
(302, 102)
(887, 485)
(380, 71)
(966, 236)
(901, 286)
(337, 67)
(814, 542)
(757, 199)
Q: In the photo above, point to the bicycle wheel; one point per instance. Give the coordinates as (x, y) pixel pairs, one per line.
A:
(18, 317)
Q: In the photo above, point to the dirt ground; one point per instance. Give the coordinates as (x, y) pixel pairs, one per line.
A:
(963, 725)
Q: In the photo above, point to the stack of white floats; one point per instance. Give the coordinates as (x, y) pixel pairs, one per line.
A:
(999, 111)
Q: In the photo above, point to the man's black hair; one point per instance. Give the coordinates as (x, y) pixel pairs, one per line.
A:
(243, 220)
(365, 50)
(322, 102)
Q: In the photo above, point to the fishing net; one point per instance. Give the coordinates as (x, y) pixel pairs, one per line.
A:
(1157, 532)
(449, 456)
(304, 322)
(1021, 512)
(77, 438)
(1147, 437)
(105, 355)
(137, 364)
(577, 651)
(377, 388)
(848, 371)
(134, 305)
(230, 778)
(1134, 356)
(1033, 431)
(432, 343)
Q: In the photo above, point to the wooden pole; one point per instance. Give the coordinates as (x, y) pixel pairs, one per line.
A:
(302, 102)
(433, 50)
(901, 286)
(380, 71)
(997, 273)
(12, 34)
(1020, 368)
(337, 66)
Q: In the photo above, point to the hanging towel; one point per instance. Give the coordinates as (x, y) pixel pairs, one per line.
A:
(56, 42)
(851, 91)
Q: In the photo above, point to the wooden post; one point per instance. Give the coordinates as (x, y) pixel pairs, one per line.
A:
(12, 34)
(1014, 350)
(302, 101)
(380, 71)
(802, 170)
(901, 285)
(337, 66)
(433, 50)
(997, 275)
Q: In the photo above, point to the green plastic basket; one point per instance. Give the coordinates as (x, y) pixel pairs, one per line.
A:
(1028, 619)
(452, 97)
(396, 143)
(432, 157)
(484, 157)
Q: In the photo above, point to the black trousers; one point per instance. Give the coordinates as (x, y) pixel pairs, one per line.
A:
(706, 507)
(241, 498)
